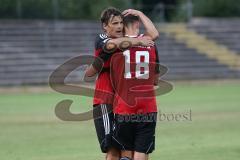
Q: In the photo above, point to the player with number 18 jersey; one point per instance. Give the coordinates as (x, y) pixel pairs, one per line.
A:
(132, 74)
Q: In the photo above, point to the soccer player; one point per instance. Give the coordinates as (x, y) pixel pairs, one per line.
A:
(135, 108)
(112, 25)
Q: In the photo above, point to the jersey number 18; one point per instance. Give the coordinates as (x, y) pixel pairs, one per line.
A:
(142, 68)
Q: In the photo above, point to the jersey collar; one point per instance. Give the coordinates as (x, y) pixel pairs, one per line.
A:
(131, 36)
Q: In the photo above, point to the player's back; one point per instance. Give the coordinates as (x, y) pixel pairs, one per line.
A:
(132, 75)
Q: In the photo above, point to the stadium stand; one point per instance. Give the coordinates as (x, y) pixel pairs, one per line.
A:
(223, 31)
(31, 50)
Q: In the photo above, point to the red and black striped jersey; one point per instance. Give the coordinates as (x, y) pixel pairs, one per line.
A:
(103, 89)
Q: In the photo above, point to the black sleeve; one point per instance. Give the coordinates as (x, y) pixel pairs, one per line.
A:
(100, 44)
(102, 56)
(157, 67)
(101, 41)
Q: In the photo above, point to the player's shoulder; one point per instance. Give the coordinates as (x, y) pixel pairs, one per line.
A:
(100, 38)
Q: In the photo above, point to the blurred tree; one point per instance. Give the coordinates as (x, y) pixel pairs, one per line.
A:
(40, 9)
(8, 8)
(101, 5)
(216, 8)
(91, 9)
(169, 7)
(63, 9)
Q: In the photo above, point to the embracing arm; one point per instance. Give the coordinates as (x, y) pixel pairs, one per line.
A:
(151, 30)
(94, 68)
(126, 42)
(90, 71)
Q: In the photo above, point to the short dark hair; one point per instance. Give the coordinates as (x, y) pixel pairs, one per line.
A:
(108, 13)
(130, 19)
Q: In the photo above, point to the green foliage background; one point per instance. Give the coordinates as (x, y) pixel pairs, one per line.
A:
(67, 9)
(91, 9)
(217, 8)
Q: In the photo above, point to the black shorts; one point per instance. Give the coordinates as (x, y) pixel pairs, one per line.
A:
(135, 132)
(103, 120)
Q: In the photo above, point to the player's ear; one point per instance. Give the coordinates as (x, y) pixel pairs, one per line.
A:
(104, 25)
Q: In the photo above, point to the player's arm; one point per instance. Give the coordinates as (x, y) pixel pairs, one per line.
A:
(127, 42)
(151, 30)
(94, 68)
(90, 71)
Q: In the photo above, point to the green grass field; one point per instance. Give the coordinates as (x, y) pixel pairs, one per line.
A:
(29, 129)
